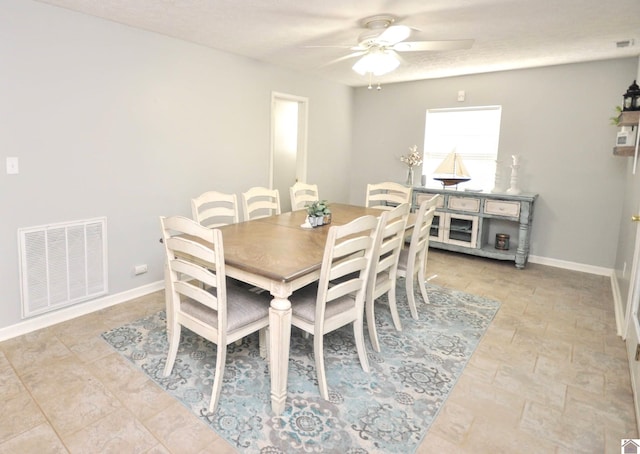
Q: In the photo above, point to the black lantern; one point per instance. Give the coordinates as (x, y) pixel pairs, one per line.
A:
(631, 99)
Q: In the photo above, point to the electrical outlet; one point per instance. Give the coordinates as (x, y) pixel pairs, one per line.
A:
(140, 269)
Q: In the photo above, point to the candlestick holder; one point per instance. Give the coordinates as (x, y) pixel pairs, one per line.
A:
(498, 188)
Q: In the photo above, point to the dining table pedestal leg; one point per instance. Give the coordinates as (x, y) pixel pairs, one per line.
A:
(279, 338)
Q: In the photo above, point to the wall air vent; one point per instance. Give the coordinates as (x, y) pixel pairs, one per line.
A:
(62, 264)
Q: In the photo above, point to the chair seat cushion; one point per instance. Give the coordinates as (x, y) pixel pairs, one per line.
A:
(303, 304)
(243, 307)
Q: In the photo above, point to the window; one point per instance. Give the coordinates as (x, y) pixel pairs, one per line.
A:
(472, 133)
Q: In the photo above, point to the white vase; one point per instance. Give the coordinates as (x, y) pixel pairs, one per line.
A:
(410, 177)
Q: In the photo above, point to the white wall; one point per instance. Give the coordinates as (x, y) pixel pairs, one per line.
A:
(556, 118)
(107, 120)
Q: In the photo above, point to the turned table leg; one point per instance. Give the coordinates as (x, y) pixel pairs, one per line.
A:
(279, 338)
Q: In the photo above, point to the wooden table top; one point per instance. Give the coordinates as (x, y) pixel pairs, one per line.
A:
(278, 248)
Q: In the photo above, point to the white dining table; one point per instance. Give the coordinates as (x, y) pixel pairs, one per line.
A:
(277, 254)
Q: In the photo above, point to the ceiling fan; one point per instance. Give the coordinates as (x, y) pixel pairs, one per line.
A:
(379, 44)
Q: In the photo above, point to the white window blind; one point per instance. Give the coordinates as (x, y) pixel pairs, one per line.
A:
(473, 133)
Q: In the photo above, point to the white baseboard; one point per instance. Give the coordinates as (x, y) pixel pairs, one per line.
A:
(68, 313)
(88, 307)
(617, 305)
(601, 271)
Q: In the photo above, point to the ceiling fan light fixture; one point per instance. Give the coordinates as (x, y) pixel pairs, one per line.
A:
(376, 62)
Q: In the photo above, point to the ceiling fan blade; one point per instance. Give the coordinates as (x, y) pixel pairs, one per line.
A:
(356, 48)
(418, 46)
(330, 46)
(345, 57)
(393, 34)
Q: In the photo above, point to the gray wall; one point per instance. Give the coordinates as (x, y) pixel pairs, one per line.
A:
(111, 121)
(556, 118)
(107, 120)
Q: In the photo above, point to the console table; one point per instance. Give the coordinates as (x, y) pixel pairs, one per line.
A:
(468, 222)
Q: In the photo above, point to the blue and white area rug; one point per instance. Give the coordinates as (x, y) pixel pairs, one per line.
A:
(388, 410)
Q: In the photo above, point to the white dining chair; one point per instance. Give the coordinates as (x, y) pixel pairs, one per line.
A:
(259, 202)
(413, 259)
(387, 195)
(338, 297)
(384, 268)
(303, 194)
(215, 209)
(221, 314)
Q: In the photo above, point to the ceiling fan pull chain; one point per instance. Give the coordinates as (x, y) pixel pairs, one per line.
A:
(370, 87)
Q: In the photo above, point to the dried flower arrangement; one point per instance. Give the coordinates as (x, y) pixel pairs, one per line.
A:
(412, 159)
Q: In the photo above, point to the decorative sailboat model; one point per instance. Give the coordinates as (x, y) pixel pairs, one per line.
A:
(451, 171)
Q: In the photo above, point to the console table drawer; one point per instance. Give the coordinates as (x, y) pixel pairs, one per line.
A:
(471, 205)
(502, 208)
(427, 196)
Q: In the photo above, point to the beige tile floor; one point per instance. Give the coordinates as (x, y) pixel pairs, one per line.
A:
(550, 376)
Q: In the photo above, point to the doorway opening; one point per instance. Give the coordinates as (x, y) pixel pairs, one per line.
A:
(288, 162)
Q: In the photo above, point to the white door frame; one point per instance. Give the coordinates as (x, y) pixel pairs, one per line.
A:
(633, 298)
(631, 332)
(303, 116)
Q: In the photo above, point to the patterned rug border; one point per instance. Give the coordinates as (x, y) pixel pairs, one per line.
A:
(389, 410)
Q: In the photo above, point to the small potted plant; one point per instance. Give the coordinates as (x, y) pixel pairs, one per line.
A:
(318, 213)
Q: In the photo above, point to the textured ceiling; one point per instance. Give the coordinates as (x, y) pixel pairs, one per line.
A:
(508, 34)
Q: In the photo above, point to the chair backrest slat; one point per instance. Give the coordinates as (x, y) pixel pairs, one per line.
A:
(215, 209)
(188, 289)
(259, 202)
(189, 270)
(303, 194)
(387, 195)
